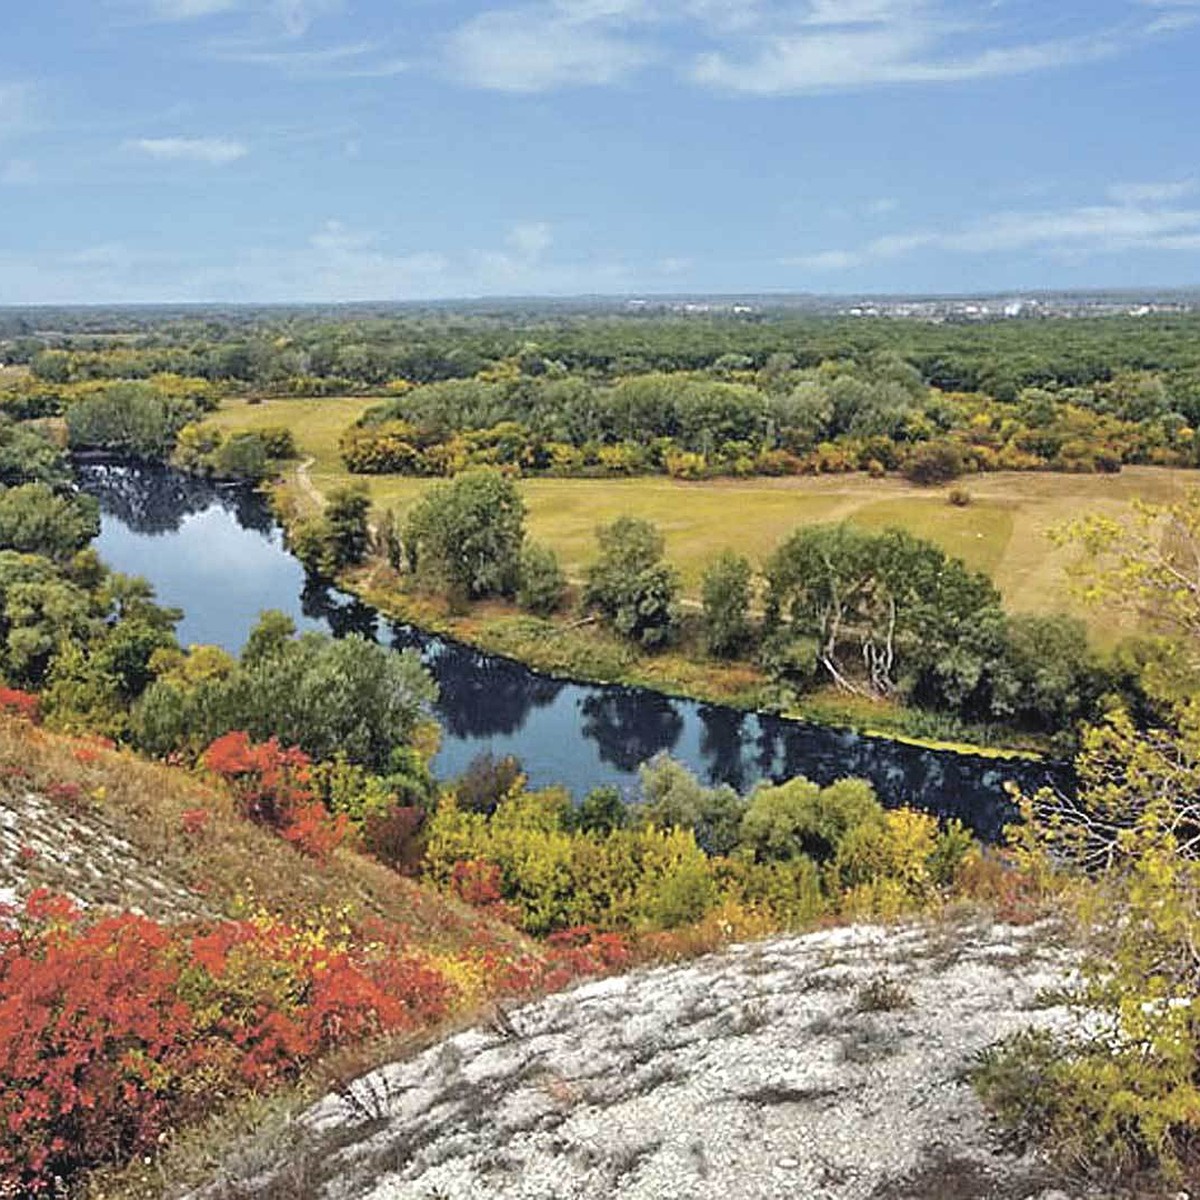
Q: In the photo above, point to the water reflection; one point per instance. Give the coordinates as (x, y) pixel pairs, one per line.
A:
(629, 727)
(481, 697)
(152, 501)
(215, 552)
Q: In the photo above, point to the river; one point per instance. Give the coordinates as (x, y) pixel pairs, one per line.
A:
(216, 553)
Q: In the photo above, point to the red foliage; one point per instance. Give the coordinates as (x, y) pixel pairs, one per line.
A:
(195, 821)
(271, 784)
(570, 955)
(117, 1029)
(65, 793)
(20, 704)
(394, 837)
(477, 883)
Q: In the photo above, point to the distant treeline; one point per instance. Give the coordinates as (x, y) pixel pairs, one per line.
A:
(283, 350)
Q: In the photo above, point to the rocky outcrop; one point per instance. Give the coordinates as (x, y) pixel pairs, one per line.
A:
(828, 1067)
(80, 855)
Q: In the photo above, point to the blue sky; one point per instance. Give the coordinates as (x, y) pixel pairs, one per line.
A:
(276, 150)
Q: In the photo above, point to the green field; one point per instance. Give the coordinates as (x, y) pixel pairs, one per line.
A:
(1004, 531)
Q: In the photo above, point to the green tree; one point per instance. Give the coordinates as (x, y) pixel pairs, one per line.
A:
(35, 519)
(798, 818)
(324, 695)
(28, 457)
(346, 517)
(272, 634)
(887, 600)
(631, 586)
(465, 537)
(673, 798)
(726, 597)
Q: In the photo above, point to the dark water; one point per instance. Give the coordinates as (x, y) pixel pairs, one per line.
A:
(216, 553)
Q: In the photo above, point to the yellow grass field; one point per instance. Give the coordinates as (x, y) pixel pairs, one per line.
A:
(1004, 531)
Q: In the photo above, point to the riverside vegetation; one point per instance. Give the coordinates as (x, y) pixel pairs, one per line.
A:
(295, 779)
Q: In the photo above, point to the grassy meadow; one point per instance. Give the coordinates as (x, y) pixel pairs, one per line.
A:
(1003, 532)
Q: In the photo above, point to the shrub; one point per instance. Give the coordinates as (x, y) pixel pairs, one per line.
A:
(395, 838)
(959, 497)
(272, 788)
(799, 818)
(117, 1029)
(673, 798)
(933, 463)
(542, 583)
(20, 704)
(726, 596)
(487, 781)
(1119, 1097)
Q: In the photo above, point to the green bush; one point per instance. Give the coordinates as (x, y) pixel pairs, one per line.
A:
(631, 585)
(542, 583)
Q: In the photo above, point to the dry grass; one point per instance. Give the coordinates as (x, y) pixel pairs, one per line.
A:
(230, 868)
(1004, 531)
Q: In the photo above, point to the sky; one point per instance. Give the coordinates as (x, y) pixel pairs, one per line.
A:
(339, 150)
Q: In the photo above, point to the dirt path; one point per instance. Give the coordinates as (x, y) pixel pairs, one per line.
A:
(306, 485)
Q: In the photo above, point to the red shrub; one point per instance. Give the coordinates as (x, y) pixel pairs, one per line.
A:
(70, 794)
(117, 1029)
(20, 704)
(271, 784)
(477, 883)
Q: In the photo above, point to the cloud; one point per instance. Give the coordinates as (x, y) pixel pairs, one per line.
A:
(292, 16)
(877, 44)
(355, 60)
(778, 47)
(213, 151)
(189, 10)
(1175, 14)
(297, 15)
(1151, 193)
(558, 44)
(1139, 221)
(336, 263)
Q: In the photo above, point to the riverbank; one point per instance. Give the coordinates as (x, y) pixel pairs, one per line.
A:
(583, 651)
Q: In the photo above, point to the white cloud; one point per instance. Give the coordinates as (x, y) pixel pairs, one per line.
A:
(908, 49)
(18, 172)
(336, 263)
(354, 60)
(189, 10)
(292, 16)
(213, 151)
(1139, 222)
(565, 43)
(1151, 193)
(297, 15)
(1174, 14)
(777, 47)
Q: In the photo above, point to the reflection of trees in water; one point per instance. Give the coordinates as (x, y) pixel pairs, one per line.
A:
(631, 727)
(721, 744)
(946, 784)
(343, 614)
(157, 500)
(481, 696)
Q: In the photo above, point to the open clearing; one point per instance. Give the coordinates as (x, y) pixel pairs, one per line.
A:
(1004, 531)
